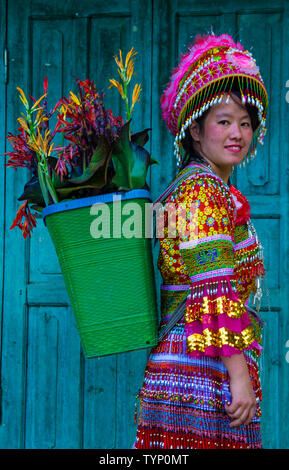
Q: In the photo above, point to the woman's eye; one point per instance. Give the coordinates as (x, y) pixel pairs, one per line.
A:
(224, 121)
(246, 124)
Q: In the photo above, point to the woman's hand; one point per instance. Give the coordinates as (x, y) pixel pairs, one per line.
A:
(243, 406)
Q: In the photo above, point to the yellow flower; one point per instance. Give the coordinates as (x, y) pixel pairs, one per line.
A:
(117, 85)
(129, 55)
(63, 111)
(125, 71)
(119, 61)
(38, 144)
(37, 102)
(74, 98)
(32, 145)
(135, 95)
(23, 124)
(50, 148)
(39, 117)
(129, 71)
(129, 63)
(23, 97)
(46, 141)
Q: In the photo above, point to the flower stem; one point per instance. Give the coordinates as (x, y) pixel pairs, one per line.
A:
(51, 188)
(42, 183)
(127, 105)
(126, 100)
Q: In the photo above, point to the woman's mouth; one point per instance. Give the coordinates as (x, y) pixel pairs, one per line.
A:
(234, 148)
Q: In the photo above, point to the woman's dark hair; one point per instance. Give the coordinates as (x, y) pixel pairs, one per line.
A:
(190, 152)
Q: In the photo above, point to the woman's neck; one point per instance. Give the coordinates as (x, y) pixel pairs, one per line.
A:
(224, 173)
(225, 176)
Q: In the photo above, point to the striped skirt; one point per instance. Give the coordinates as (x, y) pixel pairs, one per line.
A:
(182, 400)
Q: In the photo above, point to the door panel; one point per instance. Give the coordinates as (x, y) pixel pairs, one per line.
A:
(52, 396)
(53, 381)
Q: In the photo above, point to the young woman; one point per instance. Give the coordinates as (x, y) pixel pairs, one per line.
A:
(201, 386)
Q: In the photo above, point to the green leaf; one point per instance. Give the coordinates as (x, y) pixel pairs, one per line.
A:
(100, 177)
(43, 185)
(56, 179)
(37, 208)
(97, 181)
(98, 159)
(51, 188)
(32, 191)
(122, 159)
(131, 161)
(140, 138)
(153, 160)
(140, 166)
(69, 189)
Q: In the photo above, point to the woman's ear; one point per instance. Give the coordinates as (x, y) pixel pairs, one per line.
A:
(195, 131)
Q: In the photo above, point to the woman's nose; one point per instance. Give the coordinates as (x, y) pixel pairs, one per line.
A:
(235, 131)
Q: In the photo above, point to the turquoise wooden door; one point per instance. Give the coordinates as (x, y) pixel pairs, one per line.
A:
(52, 397)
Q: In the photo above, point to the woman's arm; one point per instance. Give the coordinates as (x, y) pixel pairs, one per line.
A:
(242, 408)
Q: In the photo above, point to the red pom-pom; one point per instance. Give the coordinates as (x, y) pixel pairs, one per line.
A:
(242, 205)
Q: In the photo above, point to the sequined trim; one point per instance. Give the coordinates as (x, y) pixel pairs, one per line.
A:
(217, 306)
(245, 243)
(222, 337)
(204, 240)
(212, 274)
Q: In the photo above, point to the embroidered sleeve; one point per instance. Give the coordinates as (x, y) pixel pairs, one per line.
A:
(216, 320)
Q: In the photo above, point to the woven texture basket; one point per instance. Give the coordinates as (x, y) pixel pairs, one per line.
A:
(110, 281)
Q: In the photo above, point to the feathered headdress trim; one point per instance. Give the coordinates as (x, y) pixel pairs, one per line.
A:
(196, 50)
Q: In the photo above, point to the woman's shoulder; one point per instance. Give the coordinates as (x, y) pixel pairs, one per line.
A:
(206, 189)
(201, 181)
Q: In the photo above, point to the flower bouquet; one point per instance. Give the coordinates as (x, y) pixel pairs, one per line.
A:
(97, 165)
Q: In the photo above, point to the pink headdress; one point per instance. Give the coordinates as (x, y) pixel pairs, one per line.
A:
(209, 68)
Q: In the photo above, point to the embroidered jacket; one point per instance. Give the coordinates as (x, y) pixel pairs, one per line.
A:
(209, 256)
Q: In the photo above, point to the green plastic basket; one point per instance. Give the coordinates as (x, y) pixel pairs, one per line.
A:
(110, 281)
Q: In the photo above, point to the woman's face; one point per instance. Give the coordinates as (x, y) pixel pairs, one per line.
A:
(226, 135)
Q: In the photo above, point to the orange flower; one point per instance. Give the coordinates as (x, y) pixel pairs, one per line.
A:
(125, 71)
(37, 102)
(117, 85)
(23, 124)
(119, 61)
(129, 55)
(135, 95)
(74, 98)
(129, 71)
(129, 63)
(23, 97)
(38, 144)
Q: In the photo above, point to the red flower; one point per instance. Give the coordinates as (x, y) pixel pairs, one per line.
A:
(45, 85)
(29, 221)
(21, 155)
